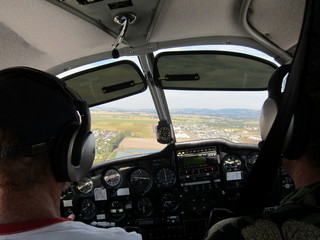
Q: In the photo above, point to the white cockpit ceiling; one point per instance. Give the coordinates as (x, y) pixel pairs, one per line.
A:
(44, 34)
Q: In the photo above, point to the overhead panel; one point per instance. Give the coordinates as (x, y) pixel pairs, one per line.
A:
(102, 14)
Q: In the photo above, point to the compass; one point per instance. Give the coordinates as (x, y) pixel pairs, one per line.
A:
(164, 134)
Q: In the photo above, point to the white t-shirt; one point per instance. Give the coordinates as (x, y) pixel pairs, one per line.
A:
(60, 229)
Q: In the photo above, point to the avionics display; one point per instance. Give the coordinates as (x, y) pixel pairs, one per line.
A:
(196, 157)
(199, 168)
(193, 161)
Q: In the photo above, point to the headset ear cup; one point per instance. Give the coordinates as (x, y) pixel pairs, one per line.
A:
(61, 152)
(271, 105)
(269, 112)
(66, 149)
(85, 152)
(295, 140)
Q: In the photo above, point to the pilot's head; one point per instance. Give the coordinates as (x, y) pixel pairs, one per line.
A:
(44, 129)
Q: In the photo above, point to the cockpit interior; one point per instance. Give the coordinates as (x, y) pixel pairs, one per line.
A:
(175, 89)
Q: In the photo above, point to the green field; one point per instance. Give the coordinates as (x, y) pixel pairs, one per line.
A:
(139, 125)
(112, 128)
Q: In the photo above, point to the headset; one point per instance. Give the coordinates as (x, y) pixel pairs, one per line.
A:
(72, 150)
(294, 144)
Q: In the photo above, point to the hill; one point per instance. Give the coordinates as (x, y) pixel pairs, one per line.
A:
(237, 113)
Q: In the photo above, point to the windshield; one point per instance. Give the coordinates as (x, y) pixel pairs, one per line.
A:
(128, 126)
(216, 114)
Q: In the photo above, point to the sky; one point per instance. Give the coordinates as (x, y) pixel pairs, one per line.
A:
(193, 99)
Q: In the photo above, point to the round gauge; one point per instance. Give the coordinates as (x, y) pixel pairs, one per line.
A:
(116, 210)
(169, 202)
(112, 178)
(251, 159)
(144, 207)
(87, 209)
(164, 133)
(85, 185)
(232, 163)
(166, 177)
(140, 181)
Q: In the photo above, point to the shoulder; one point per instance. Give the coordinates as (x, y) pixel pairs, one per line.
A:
(307, 195)
(81, 231)
(302, 205)
(246, 227)
(227, 229)
(293, 229)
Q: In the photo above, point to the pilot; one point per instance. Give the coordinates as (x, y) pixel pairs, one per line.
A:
(45, 142)
(298, 215)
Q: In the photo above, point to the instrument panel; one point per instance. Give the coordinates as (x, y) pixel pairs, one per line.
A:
(177, 193)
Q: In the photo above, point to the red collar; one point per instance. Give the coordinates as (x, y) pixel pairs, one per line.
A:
(18, 227)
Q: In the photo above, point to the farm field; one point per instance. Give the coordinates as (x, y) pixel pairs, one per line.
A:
(120, 134)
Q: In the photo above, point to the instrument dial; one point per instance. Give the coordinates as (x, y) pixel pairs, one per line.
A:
(116, 210)
(169, 202)
(232, 163)
(87, 209)
(164, 132)
(85, 185)
(144, 207)
(166, 177)
(112, 178)
(140, 181)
